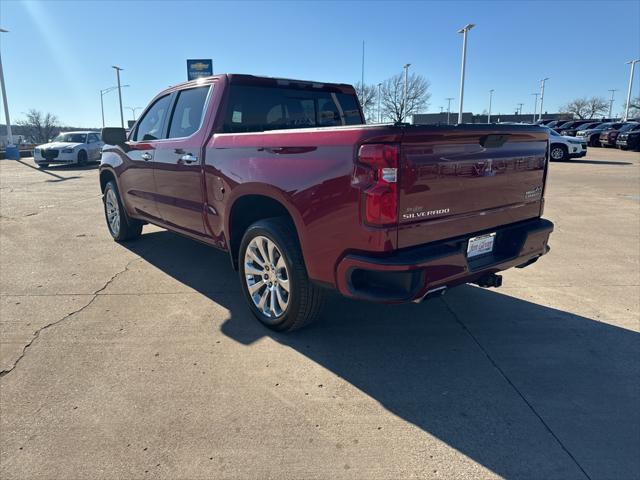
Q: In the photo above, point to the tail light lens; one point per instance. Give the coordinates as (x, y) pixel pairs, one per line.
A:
(377, 174)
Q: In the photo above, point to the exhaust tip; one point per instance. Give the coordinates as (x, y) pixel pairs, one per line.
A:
(489, 280)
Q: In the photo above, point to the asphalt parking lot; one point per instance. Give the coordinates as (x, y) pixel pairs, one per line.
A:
(142, 361)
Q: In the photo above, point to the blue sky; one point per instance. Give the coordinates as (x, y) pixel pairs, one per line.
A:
(58, 54)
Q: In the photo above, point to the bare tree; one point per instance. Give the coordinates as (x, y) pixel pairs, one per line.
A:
(39, 127)
(367, 95)
(634, 107)
(585, 108)
(394, 106)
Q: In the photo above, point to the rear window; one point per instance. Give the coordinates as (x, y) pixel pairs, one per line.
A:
(256, 109)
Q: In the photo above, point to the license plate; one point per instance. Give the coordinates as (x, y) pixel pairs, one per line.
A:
(480, 245)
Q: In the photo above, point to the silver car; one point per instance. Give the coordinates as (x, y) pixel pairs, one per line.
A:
(70, 148)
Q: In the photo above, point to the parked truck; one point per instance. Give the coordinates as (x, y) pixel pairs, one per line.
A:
(285, 176)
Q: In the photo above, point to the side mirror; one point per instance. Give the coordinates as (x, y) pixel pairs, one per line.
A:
(114, 136)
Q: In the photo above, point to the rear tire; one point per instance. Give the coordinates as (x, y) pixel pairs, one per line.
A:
(274, 278)
(121, 226)
(558, 153)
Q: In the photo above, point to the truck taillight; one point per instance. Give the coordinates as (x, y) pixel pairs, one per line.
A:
(380, 192)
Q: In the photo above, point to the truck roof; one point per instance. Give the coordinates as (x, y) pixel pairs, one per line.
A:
(245, 79)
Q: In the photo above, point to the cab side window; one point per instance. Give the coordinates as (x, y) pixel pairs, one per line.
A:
(93, 138)
(150, 127)
(187, 113)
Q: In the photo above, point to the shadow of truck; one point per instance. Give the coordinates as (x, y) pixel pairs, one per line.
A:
(574, 380)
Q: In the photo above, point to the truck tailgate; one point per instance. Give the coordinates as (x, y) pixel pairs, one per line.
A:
(470, 178)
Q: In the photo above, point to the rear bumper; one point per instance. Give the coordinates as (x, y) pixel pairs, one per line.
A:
(410, 274)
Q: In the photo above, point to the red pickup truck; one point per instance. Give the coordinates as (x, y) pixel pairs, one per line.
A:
(286, 177)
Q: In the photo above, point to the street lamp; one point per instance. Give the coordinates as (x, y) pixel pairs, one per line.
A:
(542, 82)
(633, 66)
(379, 97)
(464, 31)
(520, 105)
(11, 151)
(448, 99)
(613, 91)
(102, 94)
(490, 100)
(535, 106)
(406, 87)
(119, 93)
(133, 111)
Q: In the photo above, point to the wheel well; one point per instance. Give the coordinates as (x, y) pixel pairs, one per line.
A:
(105, 177)
(248, 210)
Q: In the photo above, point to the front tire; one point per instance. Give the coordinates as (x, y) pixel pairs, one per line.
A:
(121, 227)
(82, 158)
(274, 277)
(559, 153)
(594, 141)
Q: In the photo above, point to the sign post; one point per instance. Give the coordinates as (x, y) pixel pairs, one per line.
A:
(197, 68)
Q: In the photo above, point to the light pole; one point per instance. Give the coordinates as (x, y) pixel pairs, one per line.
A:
(613, 91)
(520, 108)
(490, 100)
(379, 97)
(441, 109)
(102, 94)
(633, 66)
(464, 31)
(11, 152)
(362, 77)
(406, 89)
(133, 111)
(119, 93)
(542, 82)
(535, 106)
(448, 99)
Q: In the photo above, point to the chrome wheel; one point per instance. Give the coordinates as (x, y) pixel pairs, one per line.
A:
(557, 153)
(267, 277)
(112, 210)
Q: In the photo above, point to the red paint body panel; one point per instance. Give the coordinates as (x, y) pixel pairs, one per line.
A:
(459, 185)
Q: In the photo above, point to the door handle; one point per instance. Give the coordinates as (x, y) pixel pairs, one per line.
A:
(188, 158)
(146, 156)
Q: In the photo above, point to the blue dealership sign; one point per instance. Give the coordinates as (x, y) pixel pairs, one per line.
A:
(199, 68)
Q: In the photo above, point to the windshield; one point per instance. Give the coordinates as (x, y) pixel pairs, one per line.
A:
(71, 138)
(628, 126)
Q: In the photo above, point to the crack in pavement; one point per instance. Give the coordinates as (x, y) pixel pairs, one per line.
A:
(36, 334)
(513, 386)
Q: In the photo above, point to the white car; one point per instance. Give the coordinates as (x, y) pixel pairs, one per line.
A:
(563, 147)
(70, 148)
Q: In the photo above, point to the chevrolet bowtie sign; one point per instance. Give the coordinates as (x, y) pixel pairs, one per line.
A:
(199, 68)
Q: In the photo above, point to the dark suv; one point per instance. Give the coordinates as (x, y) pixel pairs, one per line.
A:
(608, 138)
(572, 130)
(556, 123)
(592, 135)
(570, 124)
(629, 139)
